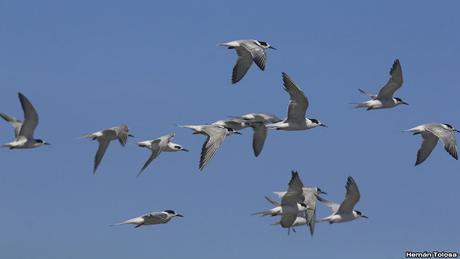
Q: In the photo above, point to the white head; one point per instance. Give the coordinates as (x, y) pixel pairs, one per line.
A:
(177, 147)
(40, 142)
(172, 213)
(264, 44)
(359, 214)
(399, 101)
(449, 127)
(313, 123)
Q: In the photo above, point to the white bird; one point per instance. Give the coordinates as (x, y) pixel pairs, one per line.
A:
(24, 131)
(104, 137)
(215, 137)
(430, 134)
(152, 218)
(290, 201)
(247, 51)
(258, 121)
(310, 194)
(156, 146)
(278, 209)
(344, 212)
(385, 99)
(297, 109)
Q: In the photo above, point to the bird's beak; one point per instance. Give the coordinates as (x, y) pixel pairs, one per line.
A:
(364, 216)
(271, 47)
(323, 125)
(184, 149)
(322, 192)
(46, 143)
(179, 215)
(404, 103)
(130, 135)
(237, 132)
(456, 130)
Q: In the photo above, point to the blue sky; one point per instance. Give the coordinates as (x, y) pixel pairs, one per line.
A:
(90, 65)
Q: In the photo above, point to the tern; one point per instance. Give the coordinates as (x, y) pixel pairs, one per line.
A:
(156, 146)
(290, 201)
(247, 51)
(384, 99)
(215, 137)
(310, 194)
(104, 137)
(24, 130)
(258, 122)
(152, 218)
(344, 212)
(297, 109)
(430, 134)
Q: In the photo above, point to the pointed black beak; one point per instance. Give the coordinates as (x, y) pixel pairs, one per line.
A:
(322, 192)
(456, 130)
(237, 132)
(46, 143)
(184, 149)
(130, 135)
(364, 216)
(404, 103)
(179, 215)
(323, 125)
(271, 47)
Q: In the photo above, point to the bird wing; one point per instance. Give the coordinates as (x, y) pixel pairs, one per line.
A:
(258, 53)
(122, 134)
(294, 194)
(273, 202)
(447, 137)
(242, 65)
(429, 142)
(370, 95)
(30, 118)
(310, 200)
(13, 121)
(298, 102)
(330, 204)
(103, 144)
(287, 220)
(393, 84)
(155, 151)
(258, 137)
(351, 198)
(216, 136)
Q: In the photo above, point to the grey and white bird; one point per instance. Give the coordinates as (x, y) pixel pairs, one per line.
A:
(297, 109)
(152, 218)
(431, 133)
(258, 122)
(278, 209)
(248, 51)
(24, 130)
(104, 137)
(156, 146)
(384, 99)
(215, 137)
(310, 194)
(344, 212)
(290, 201)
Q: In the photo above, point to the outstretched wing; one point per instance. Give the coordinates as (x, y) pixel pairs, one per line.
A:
(258, 54)
(103, 144)
(428, 144)
(242, 65)
(351, 198)
(258, 137)
(30, 118)
(447, 137)
(298, 102)
(393, 84)
(294, 194)
(155, 151)
(216, 136)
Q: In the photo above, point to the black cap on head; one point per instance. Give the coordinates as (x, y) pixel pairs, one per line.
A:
(263, 43)
(448, 125)
(314, 121)
(170, 211)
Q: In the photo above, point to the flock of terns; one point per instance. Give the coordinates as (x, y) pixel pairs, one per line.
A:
(298, 204)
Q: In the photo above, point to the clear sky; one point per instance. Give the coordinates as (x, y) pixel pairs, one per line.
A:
(90, 65)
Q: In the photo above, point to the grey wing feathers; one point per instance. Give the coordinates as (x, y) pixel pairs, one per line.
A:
(122, 134)
(394, 83)
(242, 65)
(428, 143)
(447, 137)
(298, 103)
(216, 136)
(155, 151)
(287, 220)
(30, 117)
(295, 192)
(13, 121)
(258, 138)
(351, 198)
(103, 144)
(258, 54)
